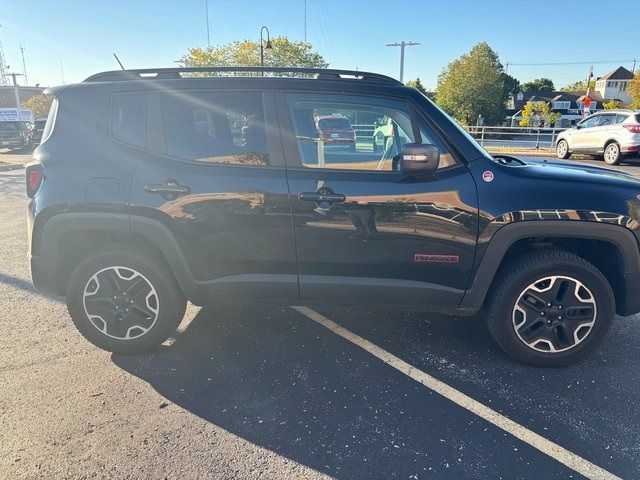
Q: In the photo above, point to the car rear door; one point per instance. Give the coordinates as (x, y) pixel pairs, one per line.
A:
(605, 129)
(213, 175)
(366, 232)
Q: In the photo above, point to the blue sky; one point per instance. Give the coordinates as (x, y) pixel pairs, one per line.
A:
(82, 34)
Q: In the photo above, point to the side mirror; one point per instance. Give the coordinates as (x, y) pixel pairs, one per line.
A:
(419, 158)
(577, 127)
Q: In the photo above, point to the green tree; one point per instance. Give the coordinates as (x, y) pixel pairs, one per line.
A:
(38, 104)
(579, 86)
(417, 84)
(473, 85)
(538, 114)
(538, 85)
(285, 53)
(634, 92)
(611, 105)
(511, 85)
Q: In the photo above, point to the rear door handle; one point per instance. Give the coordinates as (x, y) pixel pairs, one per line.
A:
(321, 197)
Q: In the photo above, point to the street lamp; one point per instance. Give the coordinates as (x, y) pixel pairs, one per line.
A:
(268, 46)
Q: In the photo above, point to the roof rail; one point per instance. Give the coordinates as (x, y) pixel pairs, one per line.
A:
(162, 73)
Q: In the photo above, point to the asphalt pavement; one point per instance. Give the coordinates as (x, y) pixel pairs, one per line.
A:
(250, 390)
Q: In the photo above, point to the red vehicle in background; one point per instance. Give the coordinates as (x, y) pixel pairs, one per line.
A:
(336, 130)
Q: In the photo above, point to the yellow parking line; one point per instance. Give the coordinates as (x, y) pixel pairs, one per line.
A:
(555, 451)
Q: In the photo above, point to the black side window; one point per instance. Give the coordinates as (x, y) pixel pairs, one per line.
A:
(589, 122)
(212, 127)
(129, 118)
(353, 132)
(606, 119)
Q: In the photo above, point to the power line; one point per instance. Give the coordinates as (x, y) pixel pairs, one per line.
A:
(601, 62)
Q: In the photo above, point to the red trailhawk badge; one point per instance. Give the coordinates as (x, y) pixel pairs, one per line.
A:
(487, 176)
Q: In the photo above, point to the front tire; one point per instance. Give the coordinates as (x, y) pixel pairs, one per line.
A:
(612, 155)
(550, 309)
(562, 150)
(124, 299)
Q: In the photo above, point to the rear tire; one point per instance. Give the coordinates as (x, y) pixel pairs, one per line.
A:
(550, 309)
(612, 155)
(562, 150)
(124, 299)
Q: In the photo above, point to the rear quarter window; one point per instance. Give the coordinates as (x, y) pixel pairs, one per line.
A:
(129, 118)
(621, 117)
(51, 120)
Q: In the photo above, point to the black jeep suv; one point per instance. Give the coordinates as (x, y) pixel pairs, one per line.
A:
(153, 187)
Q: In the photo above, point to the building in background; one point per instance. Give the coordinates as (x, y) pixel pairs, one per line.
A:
(569, 105)
(7, 99)
(612, 86)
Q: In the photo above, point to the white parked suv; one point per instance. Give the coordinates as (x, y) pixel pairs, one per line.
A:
(613, 134)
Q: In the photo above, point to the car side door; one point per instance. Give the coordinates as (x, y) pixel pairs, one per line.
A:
(212, 175)
(584, 138)
(365, 231)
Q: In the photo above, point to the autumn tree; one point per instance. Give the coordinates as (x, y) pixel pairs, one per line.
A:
(538, 114)
(611, 105)
(634, 92)
(285, 53)
(473, 85)
(38, 104)
(542, 84)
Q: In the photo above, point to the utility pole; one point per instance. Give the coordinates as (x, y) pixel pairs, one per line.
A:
(16, 92)
(402, 45)
(24, 66)
(633, 70)
(62, 71)
(206, 14)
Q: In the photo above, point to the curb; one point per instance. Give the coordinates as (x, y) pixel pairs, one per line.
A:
(5, 167)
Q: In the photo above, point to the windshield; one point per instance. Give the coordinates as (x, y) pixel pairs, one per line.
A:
(11, 126)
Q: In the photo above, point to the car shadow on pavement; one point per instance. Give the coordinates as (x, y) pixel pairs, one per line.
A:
(12, 185)
(277, 379)
(27, 286)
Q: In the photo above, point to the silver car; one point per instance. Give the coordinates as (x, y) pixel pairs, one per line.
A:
(613, 134)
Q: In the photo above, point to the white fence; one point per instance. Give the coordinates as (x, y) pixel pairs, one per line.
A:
(528, 138)
(515, 137)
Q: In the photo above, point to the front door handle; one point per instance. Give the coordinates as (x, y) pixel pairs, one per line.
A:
(319, 197)
(168, 189)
